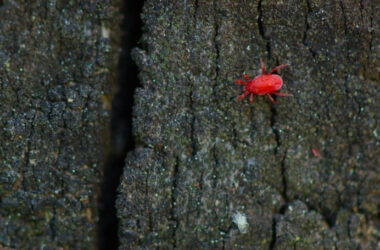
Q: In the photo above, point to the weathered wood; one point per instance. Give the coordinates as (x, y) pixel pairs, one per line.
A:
(55, 64)
(206, 160)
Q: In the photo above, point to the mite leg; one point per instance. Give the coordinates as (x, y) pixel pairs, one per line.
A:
(243, 95)
(281, 94)
(315, 152)
(251, 98)
(262, 67)
(277, 68)
(246, 77)
(240, 82)
(270, 98)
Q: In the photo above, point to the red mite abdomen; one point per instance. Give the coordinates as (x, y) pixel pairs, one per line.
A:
(264, 84)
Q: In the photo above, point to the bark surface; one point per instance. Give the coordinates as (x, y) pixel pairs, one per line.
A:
(55, 64)
(212, 172)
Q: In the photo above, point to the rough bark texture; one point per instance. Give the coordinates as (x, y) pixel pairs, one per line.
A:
(205, 160)
(55, 64)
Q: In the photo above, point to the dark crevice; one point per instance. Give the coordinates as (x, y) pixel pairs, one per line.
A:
(121, 126)
(195, 11)
(173, 200)
(307, 28)
(282, 169)
(347, 128)
(345, 29)
(276, 152)
(330, 219)
(52, 223)
(193, 118)
(274, 234)
(147, 201)
(328, 216)
(214, 171)
(349, 228)
(275, 131)
(200, 193)
(284, 180)
(261, 28)
(370, 42)
(372, 32)
(192, 128)
(224, 233)
(217, 52)
(361, 9)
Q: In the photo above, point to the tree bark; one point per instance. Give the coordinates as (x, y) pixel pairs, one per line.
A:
(55, 75)
(213, 172)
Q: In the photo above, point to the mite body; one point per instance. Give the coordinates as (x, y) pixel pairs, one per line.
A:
(265, 84)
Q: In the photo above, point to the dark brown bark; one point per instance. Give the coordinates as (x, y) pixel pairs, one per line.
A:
(204, 159)
(55, 64)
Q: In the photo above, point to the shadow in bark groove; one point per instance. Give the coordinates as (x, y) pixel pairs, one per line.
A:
(121, 126)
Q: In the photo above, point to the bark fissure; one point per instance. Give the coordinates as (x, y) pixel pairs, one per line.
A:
(262, 29)
(28, 163)
(216, 45)
(52, 222)
(284, 180)
(191, 105)
(173, 200)
(274, 234)
(345, 28)
(372, 32)
(147, 202)
(224, 234)
(307, 28)
(276, 151)
(217, 55)
(122, 139)
(195, 10)
(192, 127)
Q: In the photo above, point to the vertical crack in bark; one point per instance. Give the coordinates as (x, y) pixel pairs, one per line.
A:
(371, 36)
(284, 180)
(147, 201)
(195, 11)
(223, 234)
(274, 234)
(262, 29)
(192, 127)
(122, 140)
(345, 84)
(372, 32)
(283, 173)
(307, 28)
(199, 198)
(217, 52)
(52, 223)
(193, 118)
(349, 229)
(345, 29)
(28, 161)
(276, 152)
(191, 105)
(173, 200)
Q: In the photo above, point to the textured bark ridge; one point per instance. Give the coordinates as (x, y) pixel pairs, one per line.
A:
(55, 64)
(212, 172)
